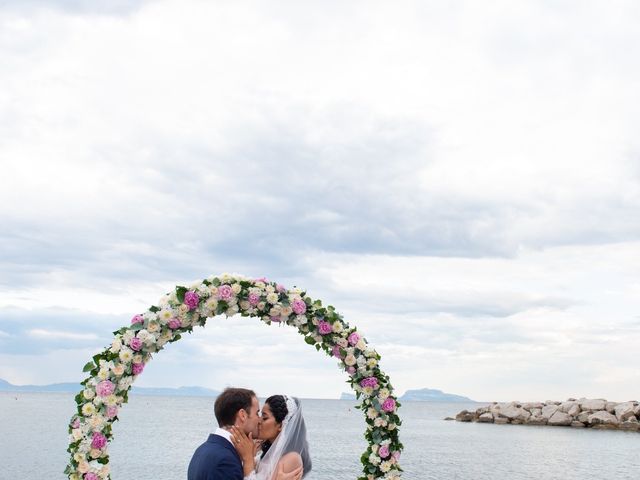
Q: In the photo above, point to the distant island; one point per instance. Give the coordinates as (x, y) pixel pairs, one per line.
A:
(432, 395)
(422, 395)
(76, 387)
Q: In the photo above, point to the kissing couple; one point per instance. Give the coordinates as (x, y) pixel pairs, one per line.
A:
(253, 445)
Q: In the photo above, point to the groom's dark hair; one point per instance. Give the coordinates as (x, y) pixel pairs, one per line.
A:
(230, 402)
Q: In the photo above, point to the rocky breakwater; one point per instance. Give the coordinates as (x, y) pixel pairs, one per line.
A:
(582, 413)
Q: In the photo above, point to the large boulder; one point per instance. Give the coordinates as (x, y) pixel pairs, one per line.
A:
(603, 418)
(486, 417)
(513, 412)
(624, 411)
(465, 416)
(574, 410)
(583, 417)
(593, 405)
(560, 419)
(537, 420)
(576, 424)
(549, 410)
(566, 406)
(501, 420)
(610, 407)
(532, 405)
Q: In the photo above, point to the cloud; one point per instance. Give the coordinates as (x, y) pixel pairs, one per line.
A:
(443, 169)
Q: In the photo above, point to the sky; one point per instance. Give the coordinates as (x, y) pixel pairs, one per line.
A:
(461, 180)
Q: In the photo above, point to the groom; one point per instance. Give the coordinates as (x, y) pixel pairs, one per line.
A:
(217, 458)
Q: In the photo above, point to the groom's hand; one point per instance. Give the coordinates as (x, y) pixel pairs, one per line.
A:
(294, 475)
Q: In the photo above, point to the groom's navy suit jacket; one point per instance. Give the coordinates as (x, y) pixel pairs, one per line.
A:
(215, 459)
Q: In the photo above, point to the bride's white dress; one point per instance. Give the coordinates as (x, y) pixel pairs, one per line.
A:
(292, 438)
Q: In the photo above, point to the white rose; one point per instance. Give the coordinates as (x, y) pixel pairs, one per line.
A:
(116, 345)
(245, 305)
(83, 467)
(236, 288)
(103, 374)
(350, 360)
(374, 459)
(153, 326)
(88, 393)
(372, 413)
(343, 342)
(385, 466)
(361, 345)
(337, 327)
(76, 433)
(372, 362)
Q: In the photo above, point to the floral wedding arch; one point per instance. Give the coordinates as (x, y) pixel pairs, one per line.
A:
(114, 370)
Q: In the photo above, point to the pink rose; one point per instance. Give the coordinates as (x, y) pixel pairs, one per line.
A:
(275, 319)
(76, 423)
(263, 280)
(137, 368)
(298, 307)
(105, 388)
(354, 338)
(396, 455)
(174, 323)
(136, 344)
(351, 370)
(137, 319)
(369, 382)
(389, 405)
(280, 288)
(254, 299)
(112, 411)
(336, 351)
(191, 299)
(383, 451)
(225, 292)
(90, 476)
(98, 441)
(324, 327)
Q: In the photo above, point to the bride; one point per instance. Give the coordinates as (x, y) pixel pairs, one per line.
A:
(282, 442)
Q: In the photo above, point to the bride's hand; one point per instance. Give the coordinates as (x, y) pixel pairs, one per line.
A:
(245, 446)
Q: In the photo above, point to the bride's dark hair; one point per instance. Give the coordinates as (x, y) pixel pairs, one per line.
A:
(278, 405)
(279, 409)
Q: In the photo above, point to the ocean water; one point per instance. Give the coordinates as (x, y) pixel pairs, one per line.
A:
(156, 437)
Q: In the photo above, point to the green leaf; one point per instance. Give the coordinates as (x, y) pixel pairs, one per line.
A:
(180, 291)
(88, 367)
(154, 309)
(310, 340)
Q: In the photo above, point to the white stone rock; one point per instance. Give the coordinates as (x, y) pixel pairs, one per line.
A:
(593, 405)
(486, 417)
(549, 410)
(610, 407)
(560, 418)
(566, 406)
(514, 412)
(574, 410)
(532, 406)
(603, 418)
(624, 411)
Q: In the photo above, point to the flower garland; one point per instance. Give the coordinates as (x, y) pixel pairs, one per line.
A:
(114, 370)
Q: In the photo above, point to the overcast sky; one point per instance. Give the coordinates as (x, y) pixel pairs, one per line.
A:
(460, 179)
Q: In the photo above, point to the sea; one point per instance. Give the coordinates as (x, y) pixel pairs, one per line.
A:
(156, 437)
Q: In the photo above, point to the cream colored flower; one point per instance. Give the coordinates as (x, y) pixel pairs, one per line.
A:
(272, 298)
(118, 369)
(153, 326)
(88, 393)
(88, 409)
(83, 467)
(236, 288)
(350, 360)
